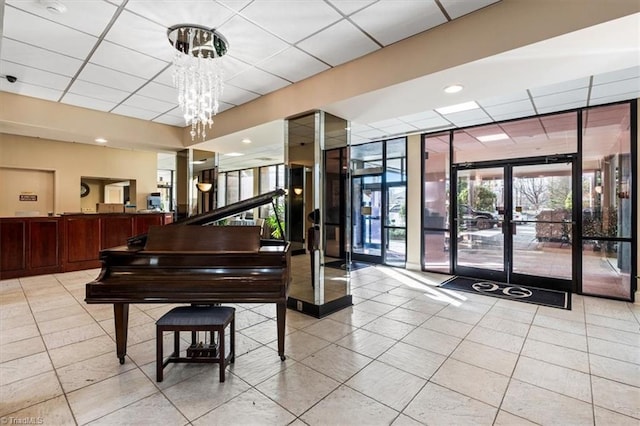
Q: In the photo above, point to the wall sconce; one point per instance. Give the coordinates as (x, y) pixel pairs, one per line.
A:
(297, 191)
(204, 186)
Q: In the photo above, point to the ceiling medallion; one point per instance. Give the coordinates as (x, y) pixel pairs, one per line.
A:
(198, 73)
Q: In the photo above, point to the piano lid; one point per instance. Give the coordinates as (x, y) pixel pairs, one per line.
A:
(215, 215)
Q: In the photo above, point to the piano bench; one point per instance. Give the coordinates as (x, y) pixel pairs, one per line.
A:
(212, 319)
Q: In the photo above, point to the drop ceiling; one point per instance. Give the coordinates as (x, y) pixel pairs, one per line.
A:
(114, 56)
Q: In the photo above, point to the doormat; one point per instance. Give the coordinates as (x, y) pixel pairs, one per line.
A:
(341, 264)
(537, 296)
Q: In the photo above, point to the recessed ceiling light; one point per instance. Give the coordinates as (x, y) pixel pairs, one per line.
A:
(234, 154)
(494, 137)
(53, 6)
(466, 106)
(454, 88)
(101, 140)
(246, 140)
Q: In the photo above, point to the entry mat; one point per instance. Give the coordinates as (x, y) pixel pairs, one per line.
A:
(538, 296)
(341, 264)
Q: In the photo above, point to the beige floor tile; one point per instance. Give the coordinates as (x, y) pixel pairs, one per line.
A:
(612, 369)
(372, 307)
(248, 318)
(53, 314)
(614, 350)
(389, 328)
(154, 409)
(496, 339)
(447, 326)
(329, 329)
(615, 336)
(435, 405)
(426, 305)
(54, 411)
(496, 360)
(17, 309)
(463, 313)
(299, 320)
(72, 335)
(617, 324)
(617, 397)
(136, 317)
(408, 316)
(560, 338)
(558, 355)
(22, 368)
(391, 299)
(45, 303)
(353, 317)
(363, 293)
(178, 372)
(386, 384)
(19, 333)
(506, 419)
(21, 348)
(346, 406)
(244, 345)
(290, 388)
(84, 373)
(432, 341)
(99, 399)
(472, 381)
(366, 343)
(65, 323)
(404, 420)
(337, 362)
(505, 325)
(264, 332)
(562, 380)
(607, 308)
(30, 391)
(69, 354)
(545, 407)
(299, 345)
(523, 317)
(575, 314)
(417, 361)
(606, 417)
(10, 323)
(258, 365)
(248, 408)
(200, 393)
(569, 326)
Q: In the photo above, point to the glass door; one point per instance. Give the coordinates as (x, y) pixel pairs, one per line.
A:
(366, 218)
(515, 224)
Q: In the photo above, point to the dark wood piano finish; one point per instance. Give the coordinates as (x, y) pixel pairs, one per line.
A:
(195, 264)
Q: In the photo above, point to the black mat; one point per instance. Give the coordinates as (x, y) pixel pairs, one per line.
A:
(537, 296)
(341, 264)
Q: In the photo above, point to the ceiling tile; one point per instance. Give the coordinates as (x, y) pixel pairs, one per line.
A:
(352, 41)
(141, 35)
(292, 20)
(97, 91)
(616, 88)
(126, 60)
(170, 120)
(165, 77)
(232, 67)
(35, 57)
(91, 17)
(467, 118)
(399, 129)
(30, 90)
(86, 102)
(109, 77)
(565, 86)
(27, 28)
(431, 123)
(388, 22)
(505, 99)
(130, 111)
(258, 81)
(560, 106)
(248, 42)
(236, 96)
(35, 76)
(457, 8)
(160, 92)
(561, 98)
(524, 107)
(627, 73)
(280, 65)
(349, 6)
(150, 104)
(386, 123)
(172, 12)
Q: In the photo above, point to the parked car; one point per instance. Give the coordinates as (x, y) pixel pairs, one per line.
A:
(477, 219)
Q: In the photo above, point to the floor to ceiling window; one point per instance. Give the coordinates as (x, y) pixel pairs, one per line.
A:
(556, 190)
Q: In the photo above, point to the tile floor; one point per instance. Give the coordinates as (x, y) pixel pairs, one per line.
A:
(406, 353)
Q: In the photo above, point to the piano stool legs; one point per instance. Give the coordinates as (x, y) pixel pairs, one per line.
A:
(213, 320)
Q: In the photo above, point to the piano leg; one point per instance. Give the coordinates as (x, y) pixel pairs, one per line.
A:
(281, 318)
(121, 316)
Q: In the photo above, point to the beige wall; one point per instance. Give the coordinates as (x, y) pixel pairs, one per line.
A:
(70, 161)
(15, 182)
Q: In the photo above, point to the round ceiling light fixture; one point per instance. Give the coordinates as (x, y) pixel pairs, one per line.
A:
(53, 6)
(453, 88)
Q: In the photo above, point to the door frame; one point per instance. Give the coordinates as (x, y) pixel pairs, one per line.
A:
(377, 259)
(507, 275)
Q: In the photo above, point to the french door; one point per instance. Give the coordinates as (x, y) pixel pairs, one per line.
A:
(515, 222)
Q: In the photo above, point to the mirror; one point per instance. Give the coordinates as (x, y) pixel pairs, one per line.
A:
(316, 157)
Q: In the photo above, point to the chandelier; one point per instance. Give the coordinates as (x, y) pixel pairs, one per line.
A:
(197, 73)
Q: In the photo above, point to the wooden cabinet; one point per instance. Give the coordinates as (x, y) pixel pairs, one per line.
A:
(46, 245)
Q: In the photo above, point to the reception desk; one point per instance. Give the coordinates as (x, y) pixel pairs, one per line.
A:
(70, 242)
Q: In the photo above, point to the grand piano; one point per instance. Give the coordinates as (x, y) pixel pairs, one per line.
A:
(190, 262)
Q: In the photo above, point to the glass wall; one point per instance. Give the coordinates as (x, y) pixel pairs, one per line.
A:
(607, 214)
(272, 178)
